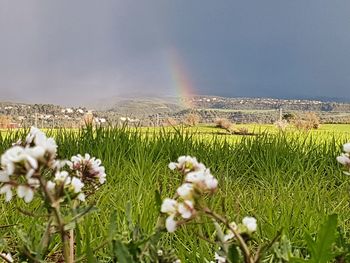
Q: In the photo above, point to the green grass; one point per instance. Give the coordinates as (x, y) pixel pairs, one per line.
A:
(288, 181)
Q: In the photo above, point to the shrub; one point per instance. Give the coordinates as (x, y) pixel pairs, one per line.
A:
(224, 124)
(281, 125)
(192, 119)
(170, 122)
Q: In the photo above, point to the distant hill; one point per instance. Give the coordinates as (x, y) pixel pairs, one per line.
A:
(139, 106)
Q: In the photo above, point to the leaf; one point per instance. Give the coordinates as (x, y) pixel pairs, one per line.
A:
(121, 252)
(233, 254)
(88, 250)
(128, 212)
(321, 250)
(325, 239)
(78, 241)
(112, 224)
(158, 199)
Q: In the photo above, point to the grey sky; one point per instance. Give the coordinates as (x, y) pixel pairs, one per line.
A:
(77, 51)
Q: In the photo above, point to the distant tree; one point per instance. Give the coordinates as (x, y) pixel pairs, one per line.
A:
(289, 116)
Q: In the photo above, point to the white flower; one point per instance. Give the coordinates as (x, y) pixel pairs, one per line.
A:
(195, 177)
(211, 183)
(87, 168)
(170, 224)
(343, 159)
(185, 191)
(250, 223)
(172, 166)
(50, 186)
(36, 152)
(203, 180)
(62, 177)
(187, 164)
(177, 261)
(346, 147)
(8, 257)
(4, 177)
(186, 209)
(25, 192)
(230, 234)
(6, 189)
(77, 185)
(160, 252)
(169, 206)
(81, 197)
(33, 182)
(219, 259)
(17, 155)
(39, 139)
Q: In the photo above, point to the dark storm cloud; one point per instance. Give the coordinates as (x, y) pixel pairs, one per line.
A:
(78, 51)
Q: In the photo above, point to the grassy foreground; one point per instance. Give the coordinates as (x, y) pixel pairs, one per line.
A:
(288, 182)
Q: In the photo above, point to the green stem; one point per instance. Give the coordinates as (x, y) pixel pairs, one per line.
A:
(54, 205)
(246, 253)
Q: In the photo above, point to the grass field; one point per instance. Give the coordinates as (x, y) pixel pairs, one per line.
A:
(288, 181)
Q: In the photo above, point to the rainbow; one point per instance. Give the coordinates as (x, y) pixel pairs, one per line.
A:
(181, 81)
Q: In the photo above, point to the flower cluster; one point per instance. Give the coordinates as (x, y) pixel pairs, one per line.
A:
(21, 163)
(88, 168)
(344, 158)
(197, 181)
(63, 183)
(27, 167)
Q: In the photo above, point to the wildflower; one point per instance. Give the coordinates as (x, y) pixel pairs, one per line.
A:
(25, 192)
(50, 186)
(4, 177)
(169, 206)
(38, 138)
(7, 190)
(160, 253)
(250, 223)
(185, 191)
(343, 159)
(88, 168)
(170, 224)
(219, 259)
(81, 197)
(203, 180)
(346, 147)
(17, 156)
(172, 166)
(76, 185)
(187, 164)
(62, 177)
(186, 209)
(230, 234)
(8, 257)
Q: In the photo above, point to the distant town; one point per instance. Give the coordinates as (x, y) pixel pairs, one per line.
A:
(148, 112)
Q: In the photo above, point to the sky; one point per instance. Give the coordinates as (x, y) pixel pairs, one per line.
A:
(76, 52)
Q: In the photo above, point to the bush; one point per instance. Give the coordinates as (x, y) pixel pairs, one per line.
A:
(309, 122)
(281, 125)
(170, 122)
(224, 124)
(192, 119)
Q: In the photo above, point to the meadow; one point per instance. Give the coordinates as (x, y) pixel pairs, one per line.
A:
(289, 181)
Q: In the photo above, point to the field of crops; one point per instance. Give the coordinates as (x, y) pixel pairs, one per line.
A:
(287, 181)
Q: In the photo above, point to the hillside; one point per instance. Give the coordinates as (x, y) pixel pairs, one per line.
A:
(150, 111)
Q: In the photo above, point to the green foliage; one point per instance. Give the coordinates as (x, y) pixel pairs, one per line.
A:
(289, 181)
